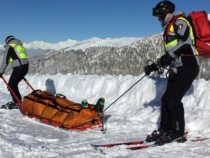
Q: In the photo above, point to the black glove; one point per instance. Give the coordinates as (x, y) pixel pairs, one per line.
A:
(165, 60)
(1, 75)
(150, 68)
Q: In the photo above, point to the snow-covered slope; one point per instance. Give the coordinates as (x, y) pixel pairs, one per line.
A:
(131, 118)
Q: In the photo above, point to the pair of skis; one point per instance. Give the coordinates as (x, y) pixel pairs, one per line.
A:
(98, 147)
(139, 143)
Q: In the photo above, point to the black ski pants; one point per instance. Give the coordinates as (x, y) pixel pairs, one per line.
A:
(17, 75)
(172, 110)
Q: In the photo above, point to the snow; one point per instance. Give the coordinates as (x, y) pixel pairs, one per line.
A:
(131, 118)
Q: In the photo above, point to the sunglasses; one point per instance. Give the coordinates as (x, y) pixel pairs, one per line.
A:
(157, 11)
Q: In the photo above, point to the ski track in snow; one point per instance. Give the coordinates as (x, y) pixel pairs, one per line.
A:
(131, 118)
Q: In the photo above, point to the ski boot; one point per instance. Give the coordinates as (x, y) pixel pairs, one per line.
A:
(10, 105)
(99, 107)
(84, 105)
(170, 137)
(155, 135)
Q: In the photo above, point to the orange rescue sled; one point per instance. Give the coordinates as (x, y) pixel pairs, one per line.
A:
(61, 112)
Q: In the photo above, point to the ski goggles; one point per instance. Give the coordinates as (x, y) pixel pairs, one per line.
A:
(157, 12)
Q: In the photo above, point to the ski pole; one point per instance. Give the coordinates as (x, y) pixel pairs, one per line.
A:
(120, 97)
(124, 93)
(28, 83)
(110, 104)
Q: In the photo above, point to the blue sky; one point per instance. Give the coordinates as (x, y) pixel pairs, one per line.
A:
(58, 20)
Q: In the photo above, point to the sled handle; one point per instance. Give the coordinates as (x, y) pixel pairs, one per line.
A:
(28, 83)
(19, 102)
(20, 106)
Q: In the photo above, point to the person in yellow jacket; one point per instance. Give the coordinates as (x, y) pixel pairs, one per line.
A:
(180, 53)
(14, 54)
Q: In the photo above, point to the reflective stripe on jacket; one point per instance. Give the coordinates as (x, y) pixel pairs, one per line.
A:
(14, 54)
(19, 50)
(179, 40)
(170, 39)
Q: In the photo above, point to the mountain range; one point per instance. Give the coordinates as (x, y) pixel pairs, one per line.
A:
(37, 48)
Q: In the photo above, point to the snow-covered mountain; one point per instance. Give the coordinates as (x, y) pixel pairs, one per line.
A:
(38, 48)
(101, 60)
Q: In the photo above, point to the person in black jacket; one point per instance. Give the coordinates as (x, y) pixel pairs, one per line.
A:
(180, 53)
(15, 54)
